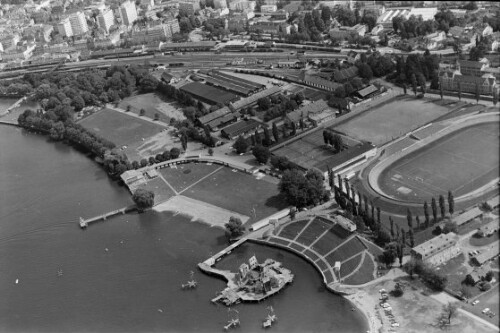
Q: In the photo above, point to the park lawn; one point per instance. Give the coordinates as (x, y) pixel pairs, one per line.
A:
(392, 119)
(153, 103)
(239, 192)
(455, 271)
(119, 128)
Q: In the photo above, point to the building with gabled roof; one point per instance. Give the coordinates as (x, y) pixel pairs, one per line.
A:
(491, 252)
(317, 82)
(437, 250)
(308, 110)
(454, 81)
(345, 75)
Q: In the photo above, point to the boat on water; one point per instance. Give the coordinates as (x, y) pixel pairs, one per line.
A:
(232, 323)
(270, 319)
(60, 272)
(17, 281)
(191, 284)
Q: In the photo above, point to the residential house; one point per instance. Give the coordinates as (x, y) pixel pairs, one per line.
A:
(344, 32)
(433, 40)
(488, 229)
(304, 112)
(437, 250)
(491, 252)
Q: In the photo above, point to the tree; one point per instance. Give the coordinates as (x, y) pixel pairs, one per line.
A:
(392, 226)
(442, 206)
(142, 112)
(129, 108)
(234, 228)
(449, 311)
(241, 145)
(412, 240)
(426, 214)
(383, 238)
(326, 137)
(378, 216)
(364, 71)
(174, 153)
(434, 210)
(418, 222)
(157, 116)
(414, 83)
(211, 151)
(143, 199)
(303, 190)
(398, 290)
(267, 137)
(360, 224)
(276, 134)
(258, 139)
(450, 226)
(337, 142)
(261, 154)
(409, 218)
(489, 276)
(388, 257)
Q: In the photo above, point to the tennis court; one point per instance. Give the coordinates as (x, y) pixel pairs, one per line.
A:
(461, 162)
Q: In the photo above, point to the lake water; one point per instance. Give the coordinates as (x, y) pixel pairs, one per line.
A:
(46, 187)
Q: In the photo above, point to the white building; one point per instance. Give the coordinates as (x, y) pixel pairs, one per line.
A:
(106, 19)
(64, 28)
(437, 250)
(128, 13)
(342, 3)
(78, 23)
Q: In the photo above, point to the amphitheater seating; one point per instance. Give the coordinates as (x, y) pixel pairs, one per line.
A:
(346, 250)
(279, 241)
(315, 229)
(291, 230)
(330, 240)
(350, 265)
(364, 274)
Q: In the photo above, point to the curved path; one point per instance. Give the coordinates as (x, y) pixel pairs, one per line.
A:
(367, 182)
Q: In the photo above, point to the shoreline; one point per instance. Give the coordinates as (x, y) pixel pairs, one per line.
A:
(364, 303)
(199, 211)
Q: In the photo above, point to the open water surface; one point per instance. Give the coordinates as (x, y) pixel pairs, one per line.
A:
(124, 274)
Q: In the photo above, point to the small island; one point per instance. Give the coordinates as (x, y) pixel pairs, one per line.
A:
(253, 282)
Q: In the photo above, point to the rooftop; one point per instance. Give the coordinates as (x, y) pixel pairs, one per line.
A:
(436, 244)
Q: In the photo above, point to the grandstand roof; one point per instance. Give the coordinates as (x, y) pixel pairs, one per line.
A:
(344, 156)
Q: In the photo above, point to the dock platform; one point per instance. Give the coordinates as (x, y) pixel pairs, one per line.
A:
(85, 222)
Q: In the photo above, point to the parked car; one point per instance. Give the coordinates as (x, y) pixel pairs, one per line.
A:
(475, 302)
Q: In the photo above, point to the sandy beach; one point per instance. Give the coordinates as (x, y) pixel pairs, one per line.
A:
(199, 211)
(413, 311)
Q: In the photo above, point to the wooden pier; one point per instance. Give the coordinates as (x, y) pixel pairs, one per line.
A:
(85, 222)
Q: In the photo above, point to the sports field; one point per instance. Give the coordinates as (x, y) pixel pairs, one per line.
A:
(152, 103)
(227, 188)
(461, 162)
(140, 137)
(120, 128)
(393, 119)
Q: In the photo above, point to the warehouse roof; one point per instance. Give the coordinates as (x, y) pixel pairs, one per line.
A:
(208, 93)
(254, 98)
(214, 115)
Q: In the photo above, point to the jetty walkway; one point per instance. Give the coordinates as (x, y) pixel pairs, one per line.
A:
(85, 222)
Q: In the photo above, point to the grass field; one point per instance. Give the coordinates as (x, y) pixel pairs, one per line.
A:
(461, 162)
(392, 119)
(184, 175)
(124, 130)
(232, 190)
(120, 128)
(153, 103)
